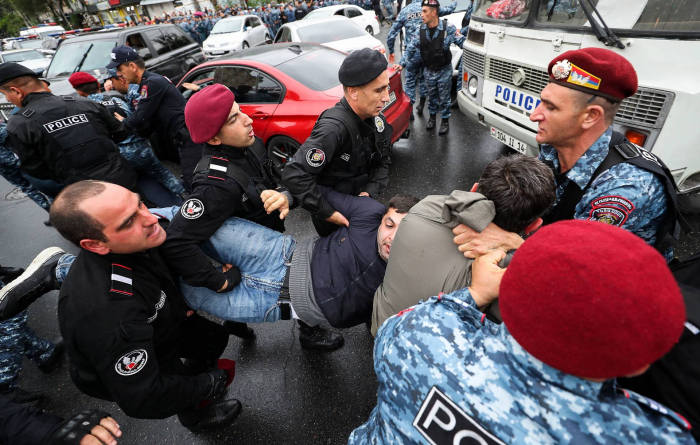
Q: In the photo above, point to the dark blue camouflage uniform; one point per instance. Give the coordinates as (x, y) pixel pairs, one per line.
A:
(17, 339)
(409, 19)
(445, 357)
(439, 82)
(625, 195)
(138, 152)
(10, 170)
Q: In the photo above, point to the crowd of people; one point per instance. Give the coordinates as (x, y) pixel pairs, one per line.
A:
(499, 312)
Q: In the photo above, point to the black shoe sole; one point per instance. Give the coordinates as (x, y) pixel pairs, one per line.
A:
(322, 347)
(38, 262)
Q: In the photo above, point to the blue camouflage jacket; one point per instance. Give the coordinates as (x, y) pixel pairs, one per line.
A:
(625, 195)
(446, 373)
(409, 18)
(412, 54)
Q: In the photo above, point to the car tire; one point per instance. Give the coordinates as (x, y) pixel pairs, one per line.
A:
(369, 30)
(689, 203)
(245, 45)
(280, 150)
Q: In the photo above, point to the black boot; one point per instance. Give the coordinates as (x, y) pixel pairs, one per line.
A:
(240, 330)
(50, 364)
(431, 122)
(214, 414)
(444, 126)
(421, 105)
(318, 338)
(38, 279)
(412, 116)
(8, 274)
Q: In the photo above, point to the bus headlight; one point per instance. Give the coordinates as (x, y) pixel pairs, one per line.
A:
(472, 85)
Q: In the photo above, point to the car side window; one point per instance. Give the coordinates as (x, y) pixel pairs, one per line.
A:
(248, 84)
(137, 42)
(159, 41)
(200, 78)
(352, 12)
(269, 91)
(256, 22)
(175, 38)
(339, 12)
(285, 35)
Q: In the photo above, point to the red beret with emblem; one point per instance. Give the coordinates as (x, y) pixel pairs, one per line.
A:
(595, 71)
(207, 111)
(81, 78)
(591, 300)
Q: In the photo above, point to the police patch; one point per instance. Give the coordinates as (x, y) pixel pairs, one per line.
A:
(192, 209)
(315, 157)
(608, 215)
(379, 123)
(131, 363)
(144, 91)
(614, 200)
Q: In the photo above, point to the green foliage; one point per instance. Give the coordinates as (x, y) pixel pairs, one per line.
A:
(30, 8)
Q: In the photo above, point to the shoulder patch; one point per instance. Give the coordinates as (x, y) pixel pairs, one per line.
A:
(144, 91)
(192, 208)
(609, 215)
(379, 124)
(121, 280)
(614, 200)
(654, 406)
(217, 168)
(131, 363)
(315, 157)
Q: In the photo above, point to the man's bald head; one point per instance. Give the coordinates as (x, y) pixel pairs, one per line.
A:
(70, 219)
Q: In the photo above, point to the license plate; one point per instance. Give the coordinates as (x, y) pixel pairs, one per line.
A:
(392, 99)
(509, 140)
(217, 53)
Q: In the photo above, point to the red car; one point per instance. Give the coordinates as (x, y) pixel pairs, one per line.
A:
(285, 87)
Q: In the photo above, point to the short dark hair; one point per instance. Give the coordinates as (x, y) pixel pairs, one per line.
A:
(72, 223)
(140, 63)
(402, 203)
(21, 82)
(88, 88)
(521, 187)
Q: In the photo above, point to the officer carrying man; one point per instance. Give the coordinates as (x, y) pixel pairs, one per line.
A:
(161, 109)
(600, 176)
(432, 51)
(349, 146)
(62, 138)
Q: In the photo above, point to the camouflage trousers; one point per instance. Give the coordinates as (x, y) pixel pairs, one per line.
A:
(9, 169)
(439, 90)
(144, 161)
(17, 339)
(415, 74)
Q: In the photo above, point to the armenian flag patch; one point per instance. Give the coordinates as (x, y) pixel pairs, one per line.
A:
(583, 78)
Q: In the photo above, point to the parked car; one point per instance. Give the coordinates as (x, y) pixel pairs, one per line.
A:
(367, 20)
(235, 34)
(166, 49)
(285, 87)
(334, 32)
(31, 58)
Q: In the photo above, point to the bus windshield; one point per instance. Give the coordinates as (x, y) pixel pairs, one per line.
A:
(640, 15)
(510, 11)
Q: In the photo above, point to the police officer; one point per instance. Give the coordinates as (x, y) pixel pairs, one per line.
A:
(350, 144)
(301, 10)
(409, 18)
(600, 176)
(161, 108)
(124, 320)
(432, 51)
(62, 138)
(549, 381)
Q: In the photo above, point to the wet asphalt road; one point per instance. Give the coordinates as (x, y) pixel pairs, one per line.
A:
(289, 395)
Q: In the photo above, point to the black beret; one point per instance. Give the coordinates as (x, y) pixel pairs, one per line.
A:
(431, 3)
(362, 67)
(11, 70)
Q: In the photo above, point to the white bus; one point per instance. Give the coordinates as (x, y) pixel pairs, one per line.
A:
(511, 42)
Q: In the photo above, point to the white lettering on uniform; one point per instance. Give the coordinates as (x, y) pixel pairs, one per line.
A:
(62, 124)
(432, 417)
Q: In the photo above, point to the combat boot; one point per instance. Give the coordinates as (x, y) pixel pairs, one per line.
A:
(8, 274)
(421, 105)
(318, 338)
(444, 126)
(431, 122)
(240, 330)
(51, 363)
(412, 117)
(37, 280)
(213, 414)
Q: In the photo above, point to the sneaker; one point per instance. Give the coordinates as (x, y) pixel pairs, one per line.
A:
(37, 280)
(318, 338)
(240, 330)
(52, 362)
(431, 122)
(8, 274)
(444, 127)
(214, 414)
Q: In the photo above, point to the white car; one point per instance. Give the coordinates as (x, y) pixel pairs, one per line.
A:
(334, 32)
(30, 58)
(235, 34)
(367, 20)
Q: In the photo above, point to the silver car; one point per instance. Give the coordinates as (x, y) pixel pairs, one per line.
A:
(235, 34)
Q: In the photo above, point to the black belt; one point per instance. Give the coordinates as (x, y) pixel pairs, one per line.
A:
(285, 302)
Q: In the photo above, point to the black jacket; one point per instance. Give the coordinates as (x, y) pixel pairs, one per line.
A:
(328, 158)
(120, 338)
(219, 196)
(24, 425)
(161, 107)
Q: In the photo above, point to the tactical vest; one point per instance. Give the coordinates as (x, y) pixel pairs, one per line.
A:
(85, 145)
(350, 178)
(621, 150)
(432, 52)
(112, 107)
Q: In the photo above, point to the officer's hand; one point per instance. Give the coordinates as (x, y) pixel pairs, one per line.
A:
(363, 194)
(475, 244)
(392, 58)
(458, 34)
(338, 218)
(191, 86)
(108, 85)
(233, 277)
(119, 117)
(274, 200)
(104, 433)
(398, 67)
(486, 278)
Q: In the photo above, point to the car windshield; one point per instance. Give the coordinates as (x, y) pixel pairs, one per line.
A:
(317, 70)
(22, 56)
(27, 44)
(330, 32)
(511, 11)
(319, 13)
(641, 15)
(226, 26)
(93, 55)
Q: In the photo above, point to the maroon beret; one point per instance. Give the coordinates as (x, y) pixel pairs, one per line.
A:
(81, 78)
(591, 300)
(207, 111)
(596, 71)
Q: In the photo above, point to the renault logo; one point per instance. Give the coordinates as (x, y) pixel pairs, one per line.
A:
(518, 77)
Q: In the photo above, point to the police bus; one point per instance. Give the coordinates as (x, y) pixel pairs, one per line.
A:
(511, 42)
